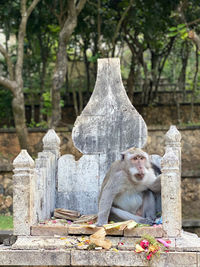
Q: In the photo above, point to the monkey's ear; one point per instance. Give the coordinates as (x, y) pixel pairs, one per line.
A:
(123, 155)
(126, 154)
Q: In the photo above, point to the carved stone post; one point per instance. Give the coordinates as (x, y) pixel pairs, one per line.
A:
(173, 140)
(51, 142)
(171, 184)
(48, 161)
(23, 199)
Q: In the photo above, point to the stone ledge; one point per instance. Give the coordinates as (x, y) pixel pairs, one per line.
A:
(75, 229)
(34, 257)
(10, 257)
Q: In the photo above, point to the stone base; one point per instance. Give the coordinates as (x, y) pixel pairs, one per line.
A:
(70, 257)
(70, 250)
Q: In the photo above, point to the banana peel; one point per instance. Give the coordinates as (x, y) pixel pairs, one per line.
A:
(121, 225)
(99, 240)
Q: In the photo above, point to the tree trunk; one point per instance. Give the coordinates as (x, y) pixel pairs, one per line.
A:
(19, 118)
(61, 65)
(15, 81)
(87, 65)
(194, 84)
(182, 75)
(131, 79)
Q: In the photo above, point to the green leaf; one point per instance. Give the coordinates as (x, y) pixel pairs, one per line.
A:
(182, 31)
(184, 36)
(172, 34)
(172, 29)
(180, 26)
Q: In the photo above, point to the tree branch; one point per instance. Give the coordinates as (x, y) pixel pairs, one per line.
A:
(191, 33)
(120, 23)
(31, 7)
(8, 61)
(80, 6)
(21, 34)
(7, 84)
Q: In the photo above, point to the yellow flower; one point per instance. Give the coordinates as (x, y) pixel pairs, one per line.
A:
(152, 248)
(80, 244)
(116, 250)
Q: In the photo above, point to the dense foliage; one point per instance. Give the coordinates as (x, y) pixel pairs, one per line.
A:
(157, 41)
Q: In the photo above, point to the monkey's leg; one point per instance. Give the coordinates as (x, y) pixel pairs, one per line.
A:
(158, 204)
(149, 205)
(122, 215)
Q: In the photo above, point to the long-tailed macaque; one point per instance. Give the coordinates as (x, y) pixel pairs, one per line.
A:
(130, 190)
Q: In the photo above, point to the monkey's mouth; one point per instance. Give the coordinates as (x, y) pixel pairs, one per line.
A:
(139, 176)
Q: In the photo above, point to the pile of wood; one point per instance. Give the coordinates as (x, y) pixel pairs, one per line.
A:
(74, 216)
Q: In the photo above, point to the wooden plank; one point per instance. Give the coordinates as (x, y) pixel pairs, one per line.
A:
(77, 229)
(49, 230)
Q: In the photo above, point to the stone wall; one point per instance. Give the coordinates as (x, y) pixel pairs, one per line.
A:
(6, 193)
(9, 149)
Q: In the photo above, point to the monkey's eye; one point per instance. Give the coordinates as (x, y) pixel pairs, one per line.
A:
(138, 158)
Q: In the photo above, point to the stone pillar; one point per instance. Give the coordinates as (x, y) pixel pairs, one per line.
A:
(23, 198)
(51, 142)
(173, 140)
(171, 184)
(46, 169)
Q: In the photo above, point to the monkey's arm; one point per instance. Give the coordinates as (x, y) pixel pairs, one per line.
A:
(105, 203)
(156, 186)
(107, 195)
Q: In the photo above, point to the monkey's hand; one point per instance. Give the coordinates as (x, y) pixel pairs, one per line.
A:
(156, 185)
(149, 221)
(100, 221)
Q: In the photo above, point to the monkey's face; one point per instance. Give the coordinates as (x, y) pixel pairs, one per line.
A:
(137, 162)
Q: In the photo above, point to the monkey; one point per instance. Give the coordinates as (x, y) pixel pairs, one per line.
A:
(131, 189)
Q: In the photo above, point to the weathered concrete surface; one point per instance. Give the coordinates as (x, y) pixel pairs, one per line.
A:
(69, 257)
(109, 122)
(171, 184)
(34, 257)
(188, 242)
(70, 251)
(22, 180)
(129, 258)
(79, 183)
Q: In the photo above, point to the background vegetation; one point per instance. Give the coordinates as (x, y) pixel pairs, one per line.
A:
(6, 222)
(49, 52)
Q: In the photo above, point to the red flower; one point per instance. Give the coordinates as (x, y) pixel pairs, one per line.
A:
(144, 243)
(149, 256)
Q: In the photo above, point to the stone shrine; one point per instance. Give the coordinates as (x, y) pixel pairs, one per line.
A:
(108, 125)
